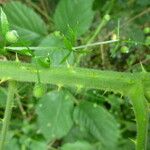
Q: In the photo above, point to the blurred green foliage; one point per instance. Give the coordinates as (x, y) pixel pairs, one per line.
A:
(68, 118)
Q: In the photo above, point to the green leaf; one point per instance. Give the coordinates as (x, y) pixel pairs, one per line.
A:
(38, 145)
(57, 52)
(54, 114)
(23, 19)
(79, 145)
(75, 14)
(78, 133)
(4, 23)
(126, 144)
(98, 122)
(12, 143)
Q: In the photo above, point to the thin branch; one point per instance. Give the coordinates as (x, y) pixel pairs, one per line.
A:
(94, 44)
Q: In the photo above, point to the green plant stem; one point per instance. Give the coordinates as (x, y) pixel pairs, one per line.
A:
(130, 84)
(97, 31)
(7, 114)
(52, 48)
(140, 105)
(102, 23)
(89, 78)
(94, 44)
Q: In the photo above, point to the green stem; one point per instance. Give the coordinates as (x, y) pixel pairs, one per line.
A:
(102, 23)
(97, 31)
(133, 85)
(89, 78)
(7, 114)
(94, 44)
(140, 106)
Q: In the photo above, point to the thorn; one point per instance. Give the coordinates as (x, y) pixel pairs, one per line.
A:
(121, 95)
(17, 59)
(68, 65)
(59, 87)
(133, 120)
(4, 80)
(132, 108)
(134, 141)
(79, 88)
(104, 92)
(142, 67)
(14, 106)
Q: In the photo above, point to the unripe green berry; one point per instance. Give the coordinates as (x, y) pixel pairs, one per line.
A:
(12, 36)
(107, 17)
(39, 90)
(147, 30)
(124, 49)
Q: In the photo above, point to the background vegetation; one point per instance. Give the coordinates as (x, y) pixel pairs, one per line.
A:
(67, 117)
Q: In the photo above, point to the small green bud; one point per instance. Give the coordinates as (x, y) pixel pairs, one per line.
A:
(107, 17)
(39, 90)
(124, 49)
(12, 36)
(44, 62)
(147, 30)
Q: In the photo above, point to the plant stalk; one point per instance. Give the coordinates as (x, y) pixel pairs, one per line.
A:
(140, 107)
(8, 111)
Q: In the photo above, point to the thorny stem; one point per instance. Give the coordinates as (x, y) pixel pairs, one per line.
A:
(133, 85)
(8, 111)
(140, 105)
